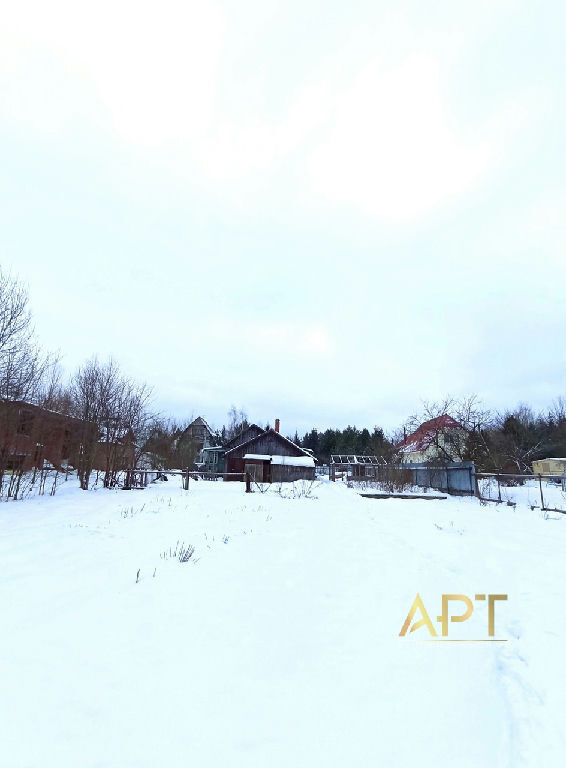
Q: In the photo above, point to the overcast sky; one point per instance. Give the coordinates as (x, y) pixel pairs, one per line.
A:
(318, 214)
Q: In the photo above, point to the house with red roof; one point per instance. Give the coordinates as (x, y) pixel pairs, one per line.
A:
(440, 439)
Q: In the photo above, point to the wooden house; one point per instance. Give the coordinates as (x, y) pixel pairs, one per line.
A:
(270, 458)
(198, 433)
(193, 441)
(212, 458)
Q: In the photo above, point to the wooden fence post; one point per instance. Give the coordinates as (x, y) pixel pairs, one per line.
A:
(248, 483)
(474, 485)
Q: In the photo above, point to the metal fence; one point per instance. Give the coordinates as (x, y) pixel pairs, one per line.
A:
(457, 478)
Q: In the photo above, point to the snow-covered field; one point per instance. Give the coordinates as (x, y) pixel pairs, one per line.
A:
(277, 643)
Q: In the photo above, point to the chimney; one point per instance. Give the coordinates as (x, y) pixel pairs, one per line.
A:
(404, 435)
(277, 425)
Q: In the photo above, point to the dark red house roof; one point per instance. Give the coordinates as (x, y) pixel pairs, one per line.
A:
(423, 437)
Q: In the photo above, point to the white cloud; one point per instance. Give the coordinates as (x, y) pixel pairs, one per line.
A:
(376, 133)
(156, 70)
(392, 150)
(152, 68)
(546, 223)
(255, 145)
(292, 340)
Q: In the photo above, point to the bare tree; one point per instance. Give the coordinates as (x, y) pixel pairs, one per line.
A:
(15, 317)
(237, 423)
(168, 446)
(185, 449)
(159, 442)
(471, 442)
(23, 365)
(517, 438)
(557, 412)
(24, 369)
(115, 414)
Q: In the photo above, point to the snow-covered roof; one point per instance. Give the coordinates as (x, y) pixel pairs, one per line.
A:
(289, 461)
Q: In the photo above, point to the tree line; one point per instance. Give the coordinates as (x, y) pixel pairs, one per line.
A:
(105, 404)
(350, 440)
(110, 415)
(496, 441)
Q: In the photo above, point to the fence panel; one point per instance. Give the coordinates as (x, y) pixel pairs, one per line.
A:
(456, 477)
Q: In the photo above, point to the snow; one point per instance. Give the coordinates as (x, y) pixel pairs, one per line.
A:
(113, 435)
(290, 461)
(277, 644)
(527, 494)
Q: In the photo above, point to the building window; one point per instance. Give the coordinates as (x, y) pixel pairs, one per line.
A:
(65, 448)
(15, 463)
(25, 423)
